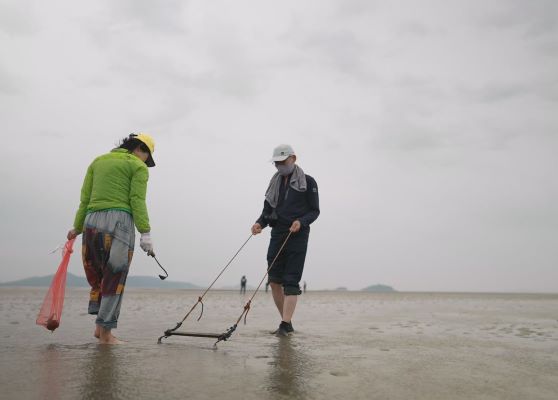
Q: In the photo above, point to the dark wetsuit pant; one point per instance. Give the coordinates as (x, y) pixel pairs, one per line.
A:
(288, 267)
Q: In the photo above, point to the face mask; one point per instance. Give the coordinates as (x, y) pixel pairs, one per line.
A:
(285, 169)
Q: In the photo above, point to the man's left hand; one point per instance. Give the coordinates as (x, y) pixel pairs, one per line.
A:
(295, 227)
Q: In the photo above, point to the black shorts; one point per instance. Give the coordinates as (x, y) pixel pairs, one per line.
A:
(288, 267)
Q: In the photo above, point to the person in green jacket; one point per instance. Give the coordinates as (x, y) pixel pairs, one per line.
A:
(112, 201)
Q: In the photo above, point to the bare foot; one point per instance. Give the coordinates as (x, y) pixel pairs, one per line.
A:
(110, 340)
(97, 333)
(106, 337)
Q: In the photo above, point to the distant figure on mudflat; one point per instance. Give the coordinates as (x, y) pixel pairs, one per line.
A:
(304, 287)
(243, 284)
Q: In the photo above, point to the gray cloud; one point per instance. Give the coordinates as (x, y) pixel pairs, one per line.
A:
(495, 92)
(223, 67)
(502, 91)
(9, 84)
(19, 18)
(337, 49)
(535, 19)
(166, 17)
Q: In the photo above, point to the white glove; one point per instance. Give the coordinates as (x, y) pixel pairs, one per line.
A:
(145, 242)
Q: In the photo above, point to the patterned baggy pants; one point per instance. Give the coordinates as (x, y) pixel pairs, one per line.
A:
(108, 247)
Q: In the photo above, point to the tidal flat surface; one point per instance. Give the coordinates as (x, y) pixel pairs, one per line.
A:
(348, 345)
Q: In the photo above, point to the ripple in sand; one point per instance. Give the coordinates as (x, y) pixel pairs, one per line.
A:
(525, 332)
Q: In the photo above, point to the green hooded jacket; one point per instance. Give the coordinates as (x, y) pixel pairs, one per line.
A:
(115, 181)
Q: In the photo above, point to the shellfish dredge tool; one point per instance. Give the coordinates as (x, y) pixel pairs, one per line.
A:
(227, 333)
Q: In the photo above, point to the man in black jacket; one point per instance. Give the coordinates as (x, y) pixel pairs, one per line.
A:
(291, 205)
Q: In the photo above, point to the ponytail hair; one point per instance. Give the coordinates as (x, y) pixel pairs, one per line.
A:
(131, 143)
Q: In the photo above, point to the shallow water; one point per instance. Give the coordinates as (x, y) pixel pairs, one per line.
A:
(347, 345)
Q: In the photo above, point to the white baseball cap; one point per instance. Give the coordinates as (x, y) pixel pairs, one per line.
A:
(282, 152)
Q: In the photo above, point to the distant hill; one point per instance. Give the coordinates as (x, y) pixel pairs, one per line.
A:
(71, 281)
(80, 281)
(379, 289)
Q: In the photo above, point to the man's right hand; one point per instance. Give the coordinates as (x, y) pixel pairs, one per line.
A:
(256, 228)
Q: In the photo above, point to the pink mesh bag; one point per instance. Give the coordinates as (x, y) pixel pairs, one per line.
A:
(51, 310)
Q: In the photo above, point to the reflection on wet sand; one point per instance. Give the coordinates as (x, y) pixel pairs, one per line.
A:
(290, 370)
(51, 373)
(101, 374)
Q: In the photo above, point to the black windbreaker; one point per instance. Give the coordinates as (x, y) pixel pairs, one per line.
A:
(293, 205)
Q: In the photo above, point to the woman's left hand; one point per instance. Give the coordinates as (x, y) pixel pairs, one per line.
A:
(72, 234)
(295, 227)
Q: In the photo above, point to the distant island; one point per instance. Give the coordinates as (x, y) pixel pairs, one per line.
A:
(80, 281)
(155, 283)
(379, 289)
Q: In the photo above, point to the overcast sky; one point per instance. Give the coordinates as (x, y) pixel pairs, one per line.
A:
(431, 128)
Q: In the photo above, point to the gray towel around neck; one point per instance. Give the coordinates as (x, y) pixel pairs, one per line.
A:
(297, 182)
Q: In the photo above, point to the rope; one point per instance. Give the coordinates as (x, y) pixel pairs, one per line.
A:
(200, 298)
(247, 305)
(228, 333)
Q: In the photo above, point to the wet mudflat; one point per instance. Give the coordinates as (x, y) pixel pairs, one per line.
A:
(348, 345)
